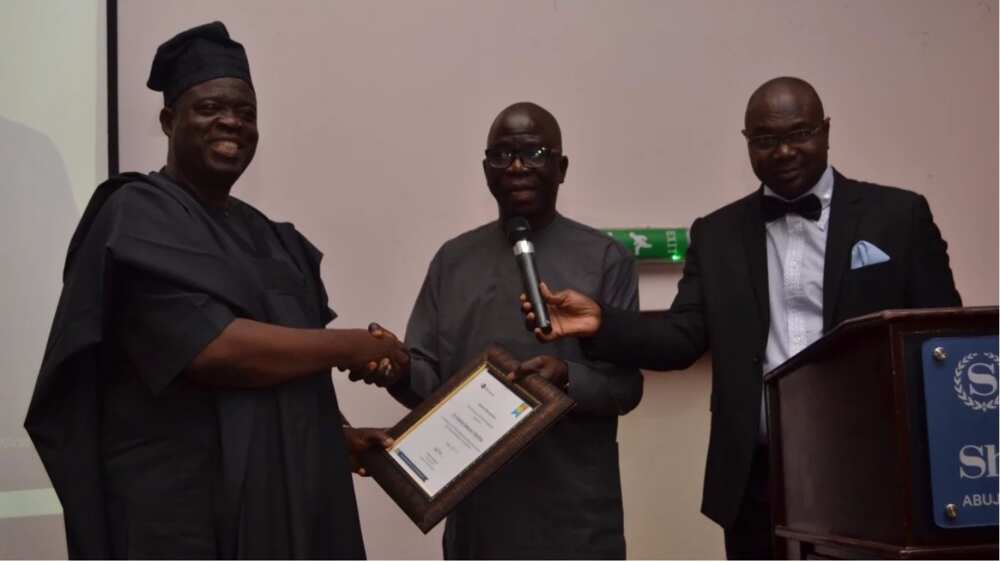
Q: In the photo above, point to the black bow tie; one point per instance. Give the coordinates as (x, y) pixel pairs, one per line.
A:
(807, 207)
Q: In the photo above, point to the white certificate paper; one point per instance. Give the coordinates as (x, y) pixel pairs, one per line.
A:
(456, 433)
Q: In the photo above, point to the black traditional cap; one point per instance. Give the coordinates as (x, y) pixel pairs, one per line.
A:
(194, 56)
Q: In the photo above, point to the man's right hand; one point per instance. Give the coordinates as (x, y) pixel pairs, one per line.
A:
(573, 314)
(379, 358)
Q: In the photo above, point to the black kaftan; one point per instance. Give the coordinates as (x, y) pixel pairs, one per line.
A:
(149, 464)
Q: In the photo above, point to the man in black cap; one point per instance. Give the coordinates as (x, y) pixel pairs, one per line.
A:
(184, 407)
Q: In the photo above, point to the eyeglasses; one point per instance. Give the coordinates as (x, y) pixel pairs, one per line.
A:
(795, 138)
(530, 157)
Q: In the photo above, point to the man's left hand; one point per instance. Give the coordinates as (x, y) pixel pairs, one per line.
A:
(553, 369)
(360, 439)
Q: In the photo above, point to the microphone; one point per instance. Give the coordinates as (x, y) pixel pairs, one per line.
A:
(517, 229)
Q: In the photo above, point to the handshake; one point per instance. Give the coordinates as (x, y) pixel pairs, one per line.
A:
(379, 358)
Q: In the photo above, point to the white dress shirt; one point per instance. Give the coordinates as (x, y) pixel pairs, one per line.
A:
(796, 251)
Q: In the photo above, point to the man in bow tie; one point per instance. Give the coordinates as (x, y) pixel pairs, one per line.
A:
(764, 277)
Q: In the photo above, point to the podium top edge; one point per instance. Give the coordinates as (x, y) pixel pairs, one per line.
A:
(918, 318)
(902, 315)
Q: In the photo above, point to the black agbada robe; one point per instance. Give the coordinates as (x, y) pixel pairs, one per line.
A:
(149, 464)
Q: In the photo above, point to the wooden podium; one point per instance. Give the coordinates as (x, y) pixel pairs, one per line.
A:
(849, 456)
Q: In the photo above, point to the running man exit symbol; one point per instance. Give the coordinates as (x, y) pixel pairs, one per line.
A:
(652, 244)
(640, 242)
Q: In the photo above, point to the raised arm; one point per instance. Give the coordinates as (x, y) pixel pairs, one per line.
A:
(658, 340)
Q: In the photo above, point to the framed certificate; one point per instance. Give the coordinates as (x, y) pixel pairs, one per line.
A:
(463, 433)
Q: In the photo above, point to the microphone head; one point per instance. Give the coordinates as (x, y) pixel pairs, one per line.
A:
(517, 228)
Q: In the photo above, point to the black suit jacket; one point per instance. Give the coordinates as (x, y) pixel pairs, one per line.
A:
(722, 306)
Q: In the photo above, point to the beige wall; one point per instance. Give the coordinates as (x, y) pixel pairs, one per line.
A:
(373, 120)
(53, 150)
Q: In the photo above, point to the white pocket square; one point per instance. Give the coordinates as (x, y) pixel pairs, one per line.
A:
(865, 253)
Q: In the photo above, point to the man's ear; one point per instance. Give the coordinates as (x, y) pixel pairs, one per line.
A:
(563, 166)
(167, 120)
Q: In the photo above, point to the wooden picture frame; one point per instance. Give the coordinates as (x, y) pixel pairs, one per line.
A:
(548, 405)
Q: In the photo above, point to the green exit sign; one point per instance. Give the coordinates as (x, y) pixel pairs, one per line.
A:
(653, 244)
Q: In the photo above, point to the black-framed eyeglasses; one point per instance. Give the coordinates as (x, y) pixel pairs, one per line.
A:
(798, 137)
(530, 156)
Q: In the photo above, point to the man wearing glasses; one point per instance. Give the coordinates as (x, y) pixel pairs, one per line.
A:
(561, 497)
(765, 277)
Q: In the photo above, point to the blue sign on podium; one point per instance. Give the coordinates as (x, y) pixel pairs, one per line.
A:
(961, 387)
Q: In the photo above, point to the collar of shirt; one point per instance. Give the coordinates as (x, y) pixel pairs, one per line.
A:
(823, 189)
(535, 236)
